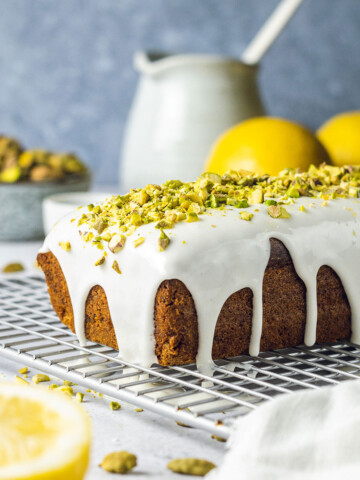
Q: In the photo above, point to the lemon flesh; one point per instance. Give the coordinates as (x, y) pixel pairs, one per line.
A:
(266, 145)
(43, 435)
(341, 137)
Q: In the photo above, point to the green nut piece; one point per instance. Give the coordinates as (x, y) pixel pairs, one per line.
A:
(293, 192)
(164, 224)
(115, 406)
(163, 241)
(117, 243)
(23, 371)
(191, 466)
(100, 261)
(66, 246)
(192, 217)
(115, 266)
(212, 177)
(246, 216)
(269, 203)
(99, 225)
(139, 241)
(256, 197)
(276, 211)
(67, 390)
(106, 237)
(136, 219)
(141, 198)
(40, 377)
(119, 462)
(13, 267)
(21, 380)
(53, 386)
(79, 397)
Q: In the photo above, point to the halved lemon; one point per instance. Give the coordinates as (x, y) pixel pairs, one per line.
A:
(43, 434)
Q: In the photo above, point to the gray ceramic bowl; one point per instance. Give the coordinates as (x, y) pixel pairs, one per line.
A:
(21, 206)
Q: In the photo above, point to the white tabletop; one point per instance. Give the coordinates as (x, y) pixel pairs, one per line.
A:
(155, 440)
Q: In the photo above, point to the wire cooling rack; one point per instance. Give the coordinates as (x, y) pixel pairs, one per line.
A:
(30, 333)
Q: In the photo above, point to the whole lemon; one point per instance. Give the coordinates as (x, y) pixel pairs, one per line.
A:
(266, 145)
(341, 137)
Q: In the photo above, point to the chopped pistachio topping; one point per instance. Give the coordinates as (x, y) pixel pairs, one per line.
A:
(276, 211)
(138, 410)
(66, 246)
(139, 241)
(117, 243)
(115, 266)
(163, 241)
(176, 201)
(115, 406)
(246, 215)
(23, 371)
(40, 377)
(100, 261)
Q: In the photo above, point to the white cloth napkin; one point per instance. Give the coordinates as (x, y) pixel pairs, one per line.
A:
(308, 435)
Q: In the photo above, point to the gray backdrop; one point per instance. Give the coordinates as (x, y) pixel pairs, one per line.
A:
(66, 77)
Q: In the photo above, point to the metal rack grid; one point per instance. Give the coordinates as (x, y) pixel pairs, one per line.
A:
(30, 333)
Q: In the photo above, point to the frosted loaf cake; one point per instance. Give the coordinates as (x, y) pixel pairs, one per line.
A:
(213, 268)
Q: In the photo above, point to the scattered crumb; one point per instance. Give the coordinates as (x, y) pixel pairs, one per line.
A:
(23, 371)
(53, 386)
(67, 390)
(13, 267)
(219, 439)
(119, 462)
(115, 406)
(139, 410)
(79, 397)
(20, 380)
(138, 241)
(40, 377)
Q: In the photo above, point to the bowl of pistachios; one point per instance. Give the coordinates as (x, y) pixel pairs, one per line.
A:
(29, 176)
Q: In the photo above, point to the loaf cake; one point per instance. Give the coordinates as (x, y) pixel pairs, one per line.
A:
(219, 267)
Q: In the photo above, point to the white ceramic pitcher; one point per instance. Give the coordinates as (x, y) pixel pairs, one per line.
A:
(183, 103)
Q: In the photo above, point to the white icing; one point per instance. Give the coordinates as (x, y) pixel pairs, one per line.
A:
(222, 254)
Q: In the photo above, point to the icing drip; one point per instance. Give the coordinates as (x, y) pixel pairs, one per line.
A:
(214, 257)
